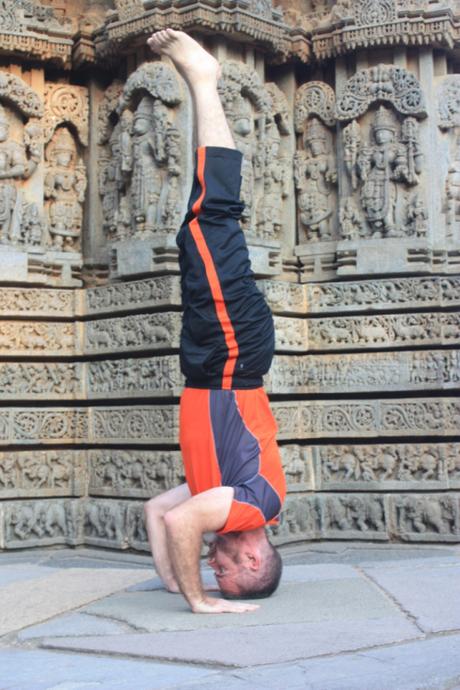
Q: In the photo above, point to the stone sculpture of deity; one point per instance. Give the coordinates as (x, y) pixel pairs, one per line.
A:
(382, 167)
(147, 151)
(275, 177)
(242, 122)
(65, 185)
(315, 177)
(13, 163)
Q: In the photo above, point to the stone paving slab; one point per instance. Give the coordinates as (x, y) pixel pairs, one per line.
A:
(326, 599)
(10, 574)
(37, 600)
(43, 670)
(73, 624)
(420, 665)
(249, 646)
(431, 593)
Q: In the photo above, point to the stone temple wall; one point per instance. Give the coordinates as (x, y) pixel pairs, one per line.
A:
(348, 116)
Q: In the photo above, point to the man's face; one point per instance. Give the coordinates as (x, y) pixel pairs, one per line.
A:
(223, 559)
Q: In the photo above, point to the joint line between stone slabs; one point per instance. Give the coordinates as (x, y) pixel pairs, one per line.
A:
(392, 598)
(103, 616)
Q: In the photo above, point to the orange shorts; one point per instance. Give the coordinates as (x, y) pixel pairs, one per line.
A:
(228, 438)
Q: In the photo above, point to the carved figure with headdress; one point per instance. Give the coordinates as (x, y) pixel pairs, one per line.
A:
(65, 185)
(316, 177)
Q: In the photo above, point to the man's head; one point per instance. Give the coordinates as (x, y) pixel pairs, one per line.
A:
(245, 564)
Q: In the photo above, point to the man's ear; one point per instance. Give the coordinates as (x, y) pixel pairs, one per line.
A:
(251, 560)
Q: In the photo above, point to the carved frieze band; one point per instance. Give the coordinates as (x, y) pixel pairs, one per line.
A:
(283, 297)
(137, 332)
(296, 420)
(18, 338)
(40, 473)
(350, 418)
(120, 524)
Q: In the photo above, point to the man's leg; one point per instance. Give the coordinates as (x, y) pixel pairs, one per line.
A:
(201, 72)
(154, 510)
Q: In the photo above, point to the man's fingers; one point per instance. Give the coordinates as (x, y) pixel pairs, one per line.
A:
(210, 605)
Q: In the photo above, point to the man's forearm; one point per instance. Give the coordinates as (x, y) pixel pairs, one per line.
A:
(156, 531)
(184, 540)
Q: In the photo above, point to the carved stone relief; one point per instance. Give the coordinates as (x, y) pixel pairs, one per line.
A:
(300, 520)
(134, 377)
(155, 424)
(28, 425)
(259, 119)
(298, 467)
(351, 516)
(351, 418)
(37, 302)
(41, 381)
(41, 473)
(434, 517)
(41, 523)
(140, 177)
(134, 473)
(122, 334)
(153, 292)
(33, 337)
(104, 523)
(346, 373)
(449, 123)
(315, 167)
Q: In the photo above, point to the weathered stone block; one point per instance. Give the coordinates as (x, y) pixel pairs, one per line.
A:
(343, 373)
(352, 516)
(41, 523)
(41, 473)
(395, 466)
(284, 298)
(352, 418)
(135, 527)
(35, 302)
(161, 291)
(300, 520)
(131, 333)
(19, 338)
(41, 381)
(134, 473)
(154, 424)
(298, 467)
(129, 378)
(291, 335)
(429, 517)
(104, 523)
(43, 425)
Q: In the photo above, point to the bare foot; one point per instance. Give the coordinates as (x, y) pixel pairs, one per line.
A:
(193, 62)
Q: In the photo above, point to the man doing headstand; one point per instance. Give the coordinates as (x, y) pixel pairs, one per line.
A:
(235, 482)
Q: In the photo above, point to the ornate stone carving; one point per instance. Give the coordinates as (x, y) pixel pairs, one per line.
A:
(383, 294)
(41, 523)
(28, 425)
(139, 166)
(15, 90)
(127, 9)
(247, 106)
(434, 517)
(314, 99)
(380, 331)
(155, 424)
(37, 302)
(365, 372)
(368, 12)
(152, 331)
(66, 104)
(353, 517)
(298, 467)
(41, 381)
(154, 292)
(17, 337)
(275, 165)
(300, 519)
(382, 171)
(104, 523)
(17, 163)
(134, 473)
(42, 473)
(393, 466)
(394, 85)
(65, 186)
(315, 178)
(419, 417)
(449, 102)
(289, 298)
(134, 377)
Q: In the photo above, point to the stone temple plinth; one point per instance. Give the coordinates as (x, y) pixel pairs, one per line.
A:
(348, 118)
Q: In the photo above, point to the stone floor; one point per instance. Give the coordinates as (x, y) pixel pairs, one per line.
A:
(347, 616)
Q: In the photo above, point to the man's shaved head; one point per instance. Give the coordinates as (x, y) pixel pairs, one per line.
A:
(246, 567)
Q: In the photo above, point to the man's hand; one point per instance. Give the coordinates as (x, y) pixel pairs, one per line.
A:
(211, 605)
